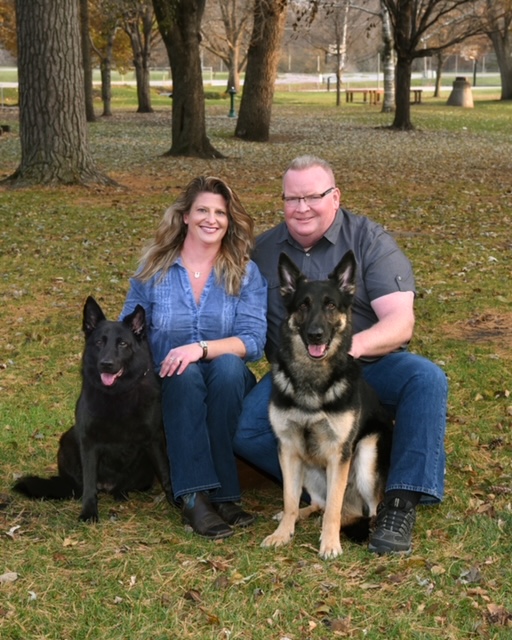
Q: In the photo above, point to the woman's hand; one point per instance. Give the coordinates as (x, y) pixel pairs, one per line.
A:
(178, 359)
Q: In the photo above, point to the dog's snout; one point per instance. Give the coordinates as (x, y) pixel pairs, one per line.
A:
(315, 335)
(107, 365)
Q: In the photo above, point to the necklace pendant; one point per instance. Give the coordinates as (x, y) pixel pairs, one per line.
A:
(197, 274)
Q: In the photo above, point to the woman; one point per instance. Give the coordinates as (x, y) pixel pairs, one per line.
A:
(205, 304)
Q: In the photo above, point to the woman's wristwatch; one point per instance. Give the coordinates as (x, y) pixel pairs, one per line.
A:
(204, 347)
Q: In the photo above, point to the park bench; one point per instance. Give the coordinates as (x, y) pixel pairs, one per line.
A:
(416, 95)
(373, 95)
(369, 95)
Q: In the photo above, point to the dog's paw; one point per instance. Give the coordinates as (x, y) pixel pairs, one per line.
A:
(86, 516)
(330, 551)
(277, 540)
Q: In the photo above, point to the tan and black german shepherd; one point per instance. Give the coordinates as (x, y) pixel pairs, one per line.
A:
(334, 436)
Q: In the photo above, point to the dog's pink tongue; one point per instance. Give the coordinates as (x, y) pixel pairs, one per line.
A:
(108, 379)
(317, 350)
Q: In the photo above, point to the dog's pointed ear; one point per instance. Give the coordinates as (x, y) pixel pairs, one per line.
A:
(345, 273)
(93, 315)
(137, 321)
(289, 275)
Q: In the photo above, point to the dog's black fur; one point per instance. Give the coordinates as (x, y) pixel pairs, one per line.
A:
(334, 436)
(117, 444)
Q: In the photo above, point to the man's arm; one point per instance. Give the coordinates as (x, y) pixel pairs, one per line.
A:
(395, 325)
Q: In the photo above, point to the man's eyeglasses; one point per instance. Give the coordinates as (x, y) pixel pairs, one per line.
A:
(294, 201)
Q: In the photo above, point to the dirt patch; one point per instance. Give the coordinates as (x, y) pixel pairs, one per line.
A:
(487, 328)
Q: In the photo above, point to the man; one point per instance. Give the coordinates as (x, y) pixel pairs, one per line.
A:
(315, 234)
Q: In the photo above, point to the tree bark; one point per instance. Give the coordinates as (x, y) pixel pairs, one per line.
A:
(402, 118)
(179, 22)
(105, 56)
(53, 128)
(402, 35)
(138, 25)
(262, 60)
(388, 62)
(439, 72)
(498, 27)
(87, 62)
(142, 77)
(503, 49)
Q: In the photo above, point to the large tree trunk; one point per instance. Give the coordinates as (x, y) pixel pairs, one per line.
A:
(503, 48)
(403, 46)
(262, 60)
(402, 118)
(179, 22)
(53, 128)
(87, 62)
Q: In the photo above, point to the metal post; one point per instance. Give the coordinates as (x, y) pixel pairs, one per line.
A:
(232, 93)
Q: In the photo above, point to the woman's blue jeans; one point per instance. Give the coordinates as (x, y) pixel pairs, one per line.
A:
(412, 387)
(201, 408)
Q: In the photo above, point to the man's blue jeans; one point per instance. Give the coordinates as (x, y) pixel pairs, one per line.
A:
(201, 408)
(412, 387)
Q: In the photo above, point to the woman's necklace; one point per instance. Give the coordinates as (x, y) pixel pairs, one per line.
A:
(196, 274)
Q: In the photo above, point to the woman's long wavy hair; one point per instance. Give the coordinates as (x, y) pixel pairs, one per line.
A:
(161, 253)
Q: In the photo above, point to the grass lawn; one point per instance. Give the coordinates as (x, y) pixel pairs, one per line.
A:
(445, 191)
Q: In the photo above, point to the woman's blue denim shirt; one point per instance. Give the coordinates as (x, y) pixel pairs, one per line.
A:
(173, 318)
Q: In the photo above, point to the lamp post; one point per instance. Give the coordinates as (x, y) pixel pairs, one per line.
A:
(232, 93)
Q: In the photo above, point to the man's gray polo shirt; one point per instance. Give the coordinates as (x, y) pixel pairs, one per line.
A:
(382, 268)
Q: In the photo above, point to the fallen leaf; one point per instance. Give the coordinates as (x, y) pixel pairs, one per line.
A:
(193, 595)
(497, 614)
(69, 542)
(10, 576)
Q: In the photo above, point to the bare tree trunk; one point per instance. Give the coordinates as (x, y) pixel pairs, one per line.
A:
(142, 76)
(233, 75)
(262, 60)
(225, 29)
(402, 34)
(87, 62)
(403, 88)
(139, 28)
(388, 62)
(53, 128)
(503, 48)
(179, 22)
(439, 72)
(411, 20)
(106, 75)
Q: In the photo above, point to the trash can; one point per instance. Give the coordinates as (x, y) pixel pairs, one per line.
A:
(461, 95)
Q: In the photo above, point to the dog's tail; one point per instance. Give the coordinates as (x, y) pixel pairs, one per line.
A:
(54, 488)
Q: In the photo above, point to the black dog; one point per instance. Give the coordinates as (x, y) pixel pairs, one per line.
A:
(334, 436)
(117, 444)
